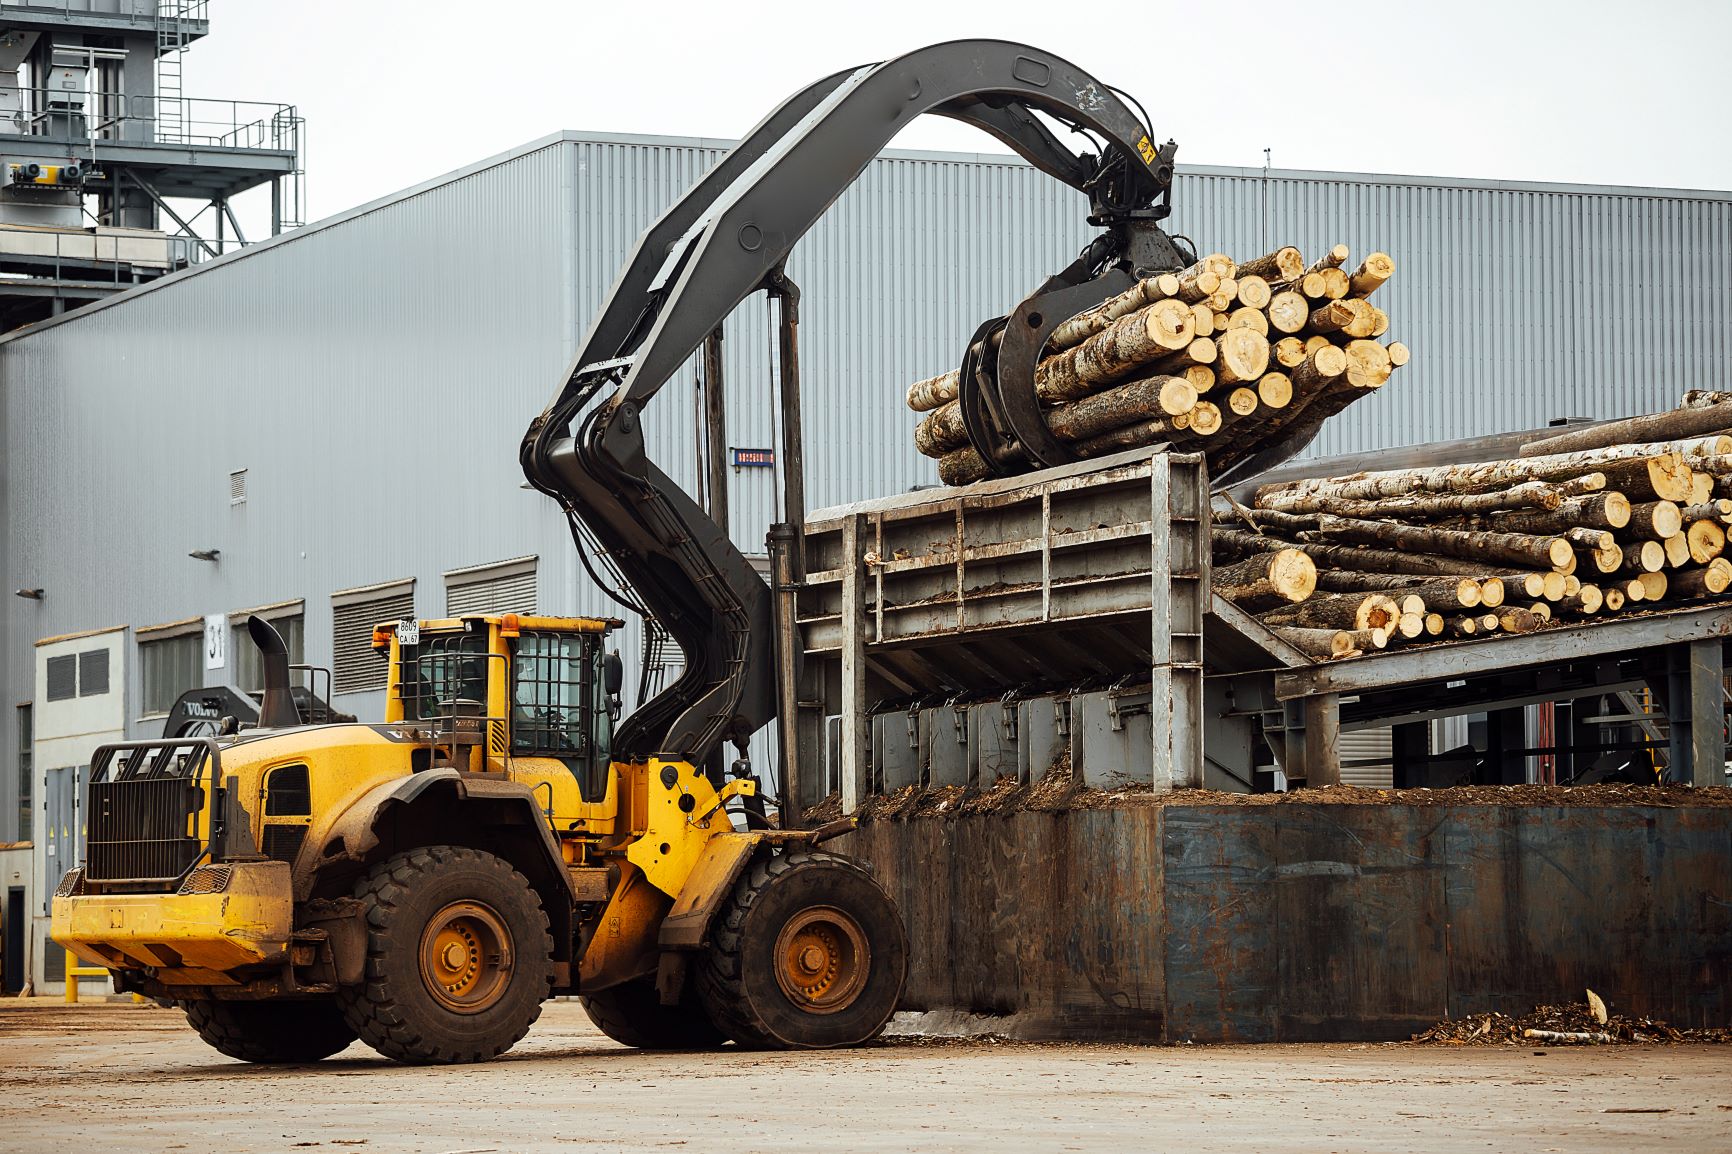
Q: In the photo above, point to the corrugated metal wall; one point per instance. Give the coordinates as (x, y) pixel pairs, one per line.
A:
(374, 373)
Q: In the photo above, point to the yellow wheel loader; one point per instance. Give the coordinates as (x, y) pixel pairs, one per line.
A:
(425, 883)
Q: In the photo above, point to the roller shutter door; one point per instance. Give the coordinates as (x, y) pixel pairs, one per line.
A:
(355, 666)
(502, 590)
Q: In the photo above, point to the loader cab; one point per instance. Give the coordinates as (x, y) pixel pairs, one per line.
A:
(493, 689)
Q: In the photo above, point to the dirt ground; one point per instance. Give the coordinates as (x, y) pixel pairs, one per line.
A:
(128, 1077)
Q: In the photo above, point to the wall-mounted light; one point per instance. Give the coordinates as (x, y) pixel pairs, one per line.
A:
(31, 594)
(205, 554)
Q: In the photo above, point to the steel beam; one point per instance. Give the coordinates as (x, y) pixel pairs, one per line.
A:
(1696, 714)
(856, 767)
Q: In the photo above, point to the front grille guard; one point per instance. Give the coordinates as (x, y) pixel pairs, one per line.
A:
(195, 760)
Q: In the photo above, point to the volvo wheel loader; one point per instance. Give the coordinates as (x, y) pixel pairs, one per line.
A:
(426, 882)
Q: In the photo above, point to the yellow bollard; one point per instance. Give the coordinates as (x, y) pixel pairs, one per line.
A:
(73, 973)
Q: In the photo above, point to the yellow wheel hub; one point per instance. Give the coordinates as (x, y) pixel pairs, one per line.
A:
(465, 957)
(822, 960)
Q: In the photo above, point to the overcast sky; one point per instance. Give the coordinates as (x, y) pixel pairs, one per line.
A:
(396, 91)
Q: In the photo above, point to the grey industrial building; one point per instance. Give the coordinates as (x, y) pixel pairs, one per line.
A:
(324, 426)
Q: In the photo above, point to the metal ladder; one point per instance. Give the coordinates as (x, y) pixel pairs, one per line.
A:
(172, 38)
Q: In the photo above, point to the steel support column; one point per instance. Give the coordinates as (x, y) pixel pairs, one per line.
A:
(1696, 714)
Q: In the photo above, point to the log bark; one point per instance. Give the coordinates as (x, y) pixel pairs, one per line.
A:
(1672, 425)
(1336, 315)
(1645, 478)
(1337, 611)
(1711, 580)
(961, 467)
(1517, 621)
(1609, 510)
(1362, 559)
(1086, 324)
(1334, 258)
(1197, 283)
(1319, 368)
(1643, 557)
(1372, 273)
(1281, 265)
(1539, 495)
(1324, 643)
(1463, 592)
(1515, 548)
(1592, 539)
(1711, 510)
(1115, 352)
(1707, 541)
(924, 396)
(1288, 311)
(1655, 521)
(1201, 351)
(1263, 582)
(1463, 627)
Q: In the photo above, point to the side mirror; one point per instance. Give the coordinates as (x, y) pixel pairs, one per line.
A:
(612, 674)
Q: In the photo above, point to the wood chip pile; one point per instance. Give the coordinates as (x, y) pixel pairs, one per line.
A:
(1599, 519)
(1222, 358)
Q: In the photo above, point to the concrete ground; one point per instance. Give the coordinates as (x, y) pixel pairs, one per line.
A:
(130, 1077)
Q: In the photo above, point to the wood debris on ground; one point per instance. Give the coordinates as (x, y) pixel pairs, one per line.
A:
(1222, 358)
(1573, 1024)
(1585, 523)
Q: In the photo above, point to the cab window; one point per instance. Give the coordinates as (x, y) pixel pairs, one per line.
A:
(551, 689)
(444, 667)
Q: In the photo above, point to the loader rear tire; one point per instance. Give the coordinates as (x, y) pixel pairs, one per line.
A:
(459, 958)
(271, 1033)
(808, 953)
(632, 1014)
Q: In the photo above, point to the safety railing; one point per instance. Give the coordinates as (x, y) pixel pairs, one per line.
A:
(141, 12)
(97, 116)
(91, 256)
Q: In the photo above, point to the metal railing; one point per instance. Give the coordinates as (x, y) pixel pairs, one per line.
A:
(96, 116)
(81, 253)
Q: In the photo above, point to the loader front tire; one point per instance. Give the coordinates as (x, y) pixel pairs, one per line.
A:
(808, 953)
(271, 1033)
(632, 1014)
(459, 958)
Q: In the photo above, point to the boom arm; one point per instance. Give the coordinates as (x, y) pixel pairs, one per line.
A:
(727, 238)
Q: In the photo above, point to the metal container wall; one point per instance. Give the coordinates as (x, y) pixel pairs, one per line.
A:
(374, 372)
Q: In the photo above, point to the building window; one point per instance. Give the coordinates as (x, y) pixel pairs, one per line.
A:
(168, 667)
(498, 587)
(247, 666)
(93, 673)
(356, 667)
(62, 677)
(26, 770)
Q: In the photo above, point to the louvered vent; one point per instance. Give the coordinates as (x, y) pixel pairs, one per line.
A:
(508, 593)
(356, 666)
(62, 677)
(238, 487)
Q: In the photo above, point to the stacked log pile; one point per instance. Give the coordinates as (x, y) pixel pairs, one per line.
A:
(1222, 358)
(1616, 517)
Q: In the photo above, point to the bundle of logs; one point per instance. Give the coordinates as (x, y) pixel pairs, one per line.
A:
(1222, 358)
(1592, 520)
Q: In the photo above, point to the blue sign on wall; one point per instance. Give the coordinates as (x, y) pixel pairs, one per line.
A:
(753, 458)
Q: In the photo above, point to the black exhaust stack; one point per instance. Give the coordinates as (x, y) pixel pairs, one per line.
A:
(277, 710)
